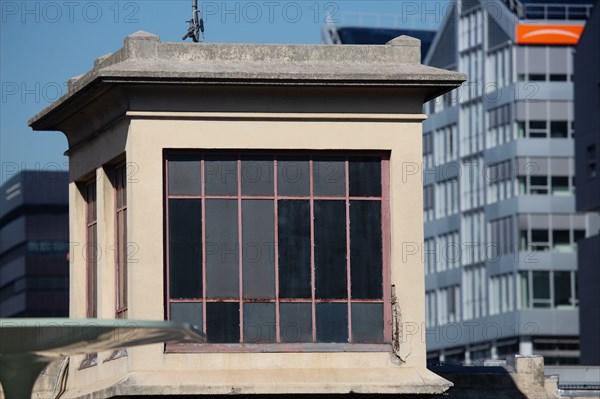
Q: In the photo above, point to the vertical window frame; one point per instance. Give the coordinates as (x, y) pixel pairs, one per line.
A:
(120, 207)
(89, 188)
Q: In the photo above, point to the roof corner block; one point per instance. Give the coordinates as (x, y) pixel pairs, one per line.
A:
(141, 44)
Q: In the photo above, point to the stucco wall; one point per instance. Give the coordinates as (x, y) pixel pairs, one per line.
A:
(149, 369)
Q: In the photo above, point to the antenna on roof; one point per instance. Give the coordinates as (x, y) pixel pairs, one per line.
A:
(196, 24)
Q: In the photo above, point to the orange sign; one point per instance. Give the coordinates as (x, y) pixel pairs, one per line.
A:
(548, 34)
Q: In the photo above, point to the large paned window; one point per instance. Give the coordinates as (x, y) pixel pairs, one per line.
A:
(287, 248)
(91, 260)
(547, 289)
(120, 186)
(91, 250)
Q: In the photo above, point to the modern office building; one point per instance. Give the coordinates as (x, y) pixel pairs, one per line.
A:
(587, 182)
(34, 245)
(501, 227)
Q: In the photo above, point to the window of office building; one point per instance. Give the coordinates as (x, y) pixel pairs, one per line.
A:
(445, 144)
(502, 239)
(540, 129)
(472, 238)
(499, 126)
(474, 292)
(545, 176)
(427, 150)
(472, 183)
(553, 232)
(500, 181)
(428, 203)
(430, 255)
(446, 197)
(471, 134)
(500, 66)
(501, 290)
(286, 248)
(448, 251)
(547, 289)
(544, 63)
(448, 304)
(430, 308)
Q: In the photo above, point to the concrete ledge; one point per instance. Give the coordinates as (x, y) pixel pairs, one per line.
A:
(268, 381)
(144, 59)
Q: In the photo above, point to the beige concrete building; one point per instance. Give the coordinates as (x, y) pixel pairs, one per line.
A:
(268, 193)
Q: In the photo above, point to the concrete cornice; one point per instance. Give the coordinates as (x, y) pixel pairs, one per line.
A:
(144, 59)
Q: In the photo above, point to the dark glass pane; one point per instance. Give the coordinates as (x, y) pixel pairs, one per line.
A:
(259, 322)
(537, 124)
(538, 235)
(258, 238)
(185, 248)
(561, 237)
(222, 266)
(562, 289)
(365, 176)
(187, 312)
(294, 249)
(578, 235)
(223, 322)
(541, 285)
(330, 249)
(537, 77)
(367, 322)
(332, 322)
(539, 180)
(329, 176)
(292, 176)
(220, 173)
(184, 176)
(558, 78)
(366, 261)
(559, 129)
(257, 175)
(295, 321)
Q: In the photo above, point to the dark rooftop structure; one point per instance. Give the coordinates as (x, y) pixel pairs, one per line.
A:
(373, 35)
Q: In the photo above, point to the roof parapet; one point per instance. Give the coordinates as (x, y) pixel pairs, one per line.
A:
(144, 57)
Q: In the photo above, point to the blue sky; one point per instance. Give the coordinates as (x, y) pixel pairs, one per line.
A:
(44, 43)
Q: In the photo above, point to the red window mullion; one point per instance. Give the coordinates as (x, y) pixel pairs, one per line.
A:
(276, 236)
(312, 251)
(240, 248)
(167, 240)
(203, 200)
(347, 184)
(386, 246)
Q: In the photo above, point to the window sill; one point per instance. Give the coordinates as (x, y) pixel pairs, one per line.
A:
(272, 347)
